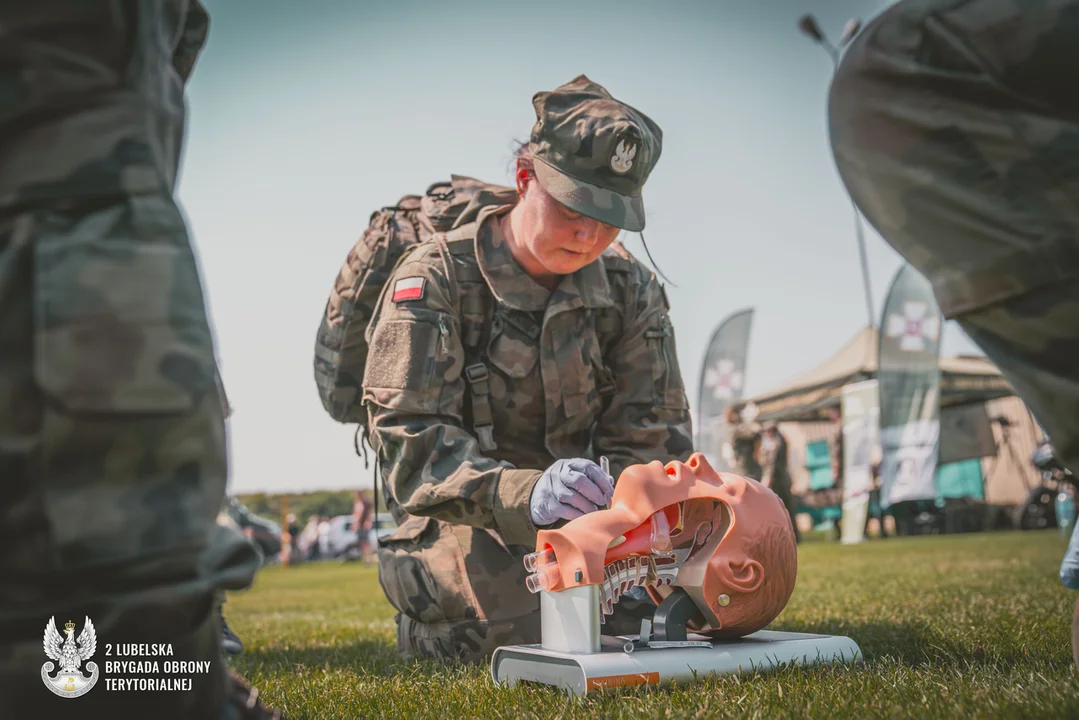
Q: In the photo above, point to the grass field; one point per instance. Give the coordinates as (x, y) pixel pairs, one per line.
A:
(951, 626)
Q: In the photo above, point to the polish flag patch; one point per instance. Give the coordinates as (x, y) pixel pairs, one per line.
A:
(409, 289)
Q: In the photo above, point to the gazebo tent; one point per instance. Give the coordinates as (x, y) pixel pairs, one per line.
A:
(964, 379)
(966, 382)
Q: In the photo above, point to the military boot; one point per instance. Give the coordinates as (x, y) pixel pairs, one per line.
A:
(230, 641)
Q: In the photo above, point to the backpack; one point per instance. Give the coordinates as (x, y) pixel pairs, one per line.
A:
(340, 345)
(446, 214)
(449, 208)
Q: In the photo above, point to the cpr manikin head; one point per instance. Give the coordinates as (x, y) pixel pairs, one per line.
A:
(724, 539)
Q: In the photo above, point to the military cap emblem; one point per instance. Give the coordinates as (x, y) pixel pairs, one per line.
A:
(622, 158)
(594, 153)
(70, 654)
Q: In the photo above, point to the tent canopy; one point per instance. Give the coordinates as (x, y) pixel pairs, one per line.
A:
(964, 379)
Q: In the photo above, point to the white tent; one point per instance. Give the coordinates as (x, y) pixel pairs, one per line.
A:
(964, 379)
(798, 406)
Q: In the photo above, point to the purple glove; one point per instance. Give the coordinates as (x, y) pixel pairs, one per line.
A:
(569, 489)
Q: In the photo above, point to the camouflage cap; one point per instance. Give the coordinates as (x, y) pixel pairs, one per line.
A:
(594, 153)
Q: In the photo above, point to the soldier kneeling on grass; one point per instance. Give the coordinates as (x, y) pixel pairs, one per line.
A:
(506, 357)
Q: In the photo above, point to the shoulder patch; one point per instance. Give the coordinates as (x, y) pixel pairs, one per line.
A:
(410, 288)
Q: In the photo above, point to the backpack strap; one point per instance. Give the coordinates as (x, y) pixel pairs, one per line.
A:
(609, 323)
(475, 311)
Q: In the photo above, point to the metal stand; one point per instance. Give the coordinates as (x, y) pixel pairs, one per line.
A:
(673, 614)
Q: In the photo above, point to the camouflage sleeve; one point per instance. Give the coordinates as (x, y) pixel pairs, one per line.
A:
(415, 393)
(192, 39)
(648, 417)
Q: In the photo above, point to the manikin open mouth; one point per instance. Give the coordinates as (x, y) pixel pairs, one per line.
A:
(723, 539)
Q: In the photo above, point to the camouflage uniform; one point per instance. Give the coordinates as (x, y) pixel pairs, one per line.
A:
(550, 390)
(112, 453)
(775, 473)
(955, 127)
(745, 440)
(835, 454)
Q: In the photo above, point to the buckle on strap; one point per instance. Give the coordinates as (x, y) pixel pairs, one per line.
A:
(482, 424)
(486, 436)
(476, 374)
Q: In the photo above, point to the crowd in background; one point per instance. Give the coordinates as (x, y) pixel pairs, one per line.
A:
(759, 451)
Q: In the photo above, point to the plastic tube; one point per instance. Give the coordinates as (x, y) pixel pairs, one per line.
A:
(661, 535)
(538, 559)
(545, 577)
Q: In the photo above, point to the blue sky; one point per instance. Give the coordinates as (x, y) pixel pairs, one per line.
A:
(306, 117)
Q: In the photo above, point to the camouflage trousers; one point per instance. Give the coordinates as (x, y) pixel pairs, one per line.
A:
(112, 445)
(460, 593)
(955, 128)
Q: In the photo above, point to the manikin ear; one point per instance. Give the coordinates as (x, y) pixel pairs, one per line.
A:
(746, 575)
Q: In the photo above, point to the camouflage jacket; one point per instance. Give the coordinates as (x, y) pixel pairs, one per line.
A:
(774, 471)
(545, 364)
(745, 443)
(835, 451)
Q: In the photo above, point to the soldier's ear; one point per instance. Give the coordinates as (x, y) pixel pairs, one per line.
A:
(523, 177)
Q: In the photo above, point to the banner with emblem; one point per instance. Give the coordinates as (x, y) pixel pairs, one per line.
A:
(909, 377)
(860, 408)
(722, 382)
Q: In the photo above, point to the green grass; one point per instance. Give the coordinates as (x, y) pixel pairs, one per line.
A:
(955, 626)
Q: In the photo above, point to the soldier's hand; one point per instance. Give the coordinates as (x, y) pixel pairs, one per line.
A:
(569, 489)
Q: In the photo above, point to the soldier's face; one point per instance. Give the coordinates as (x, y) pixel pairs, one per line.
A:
(560, 240)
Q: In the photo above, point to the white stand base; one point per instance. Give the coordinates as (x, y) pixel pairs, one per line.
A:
(579, 673)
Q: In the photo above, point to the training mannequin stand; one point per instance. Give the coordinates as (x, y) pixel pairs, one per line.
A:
(574, 656)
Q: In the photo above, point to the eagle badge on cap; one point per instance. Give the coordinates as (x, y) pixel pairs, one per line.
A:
(622, 159)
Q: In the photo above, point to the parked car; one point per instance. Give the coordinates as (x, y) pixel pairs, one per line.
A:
(343, 537)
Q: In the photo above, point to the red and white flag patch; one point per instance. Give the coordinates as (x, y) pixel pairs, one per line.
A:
(409, 289)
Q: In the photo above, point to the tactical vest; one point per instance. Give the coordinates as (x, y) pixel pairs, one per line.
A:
(340, 344)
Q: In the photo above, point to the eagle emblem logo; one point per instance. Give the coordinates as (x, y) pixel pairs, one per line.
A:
(70, 654)
(622, 159)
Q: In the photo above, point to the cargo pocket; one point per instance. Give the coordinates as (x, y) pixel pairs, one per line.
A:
(422, 571)
(119, 320)
(404, 576)
(132, 438)
(668, 389)
(496, 576)
(408, 363)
